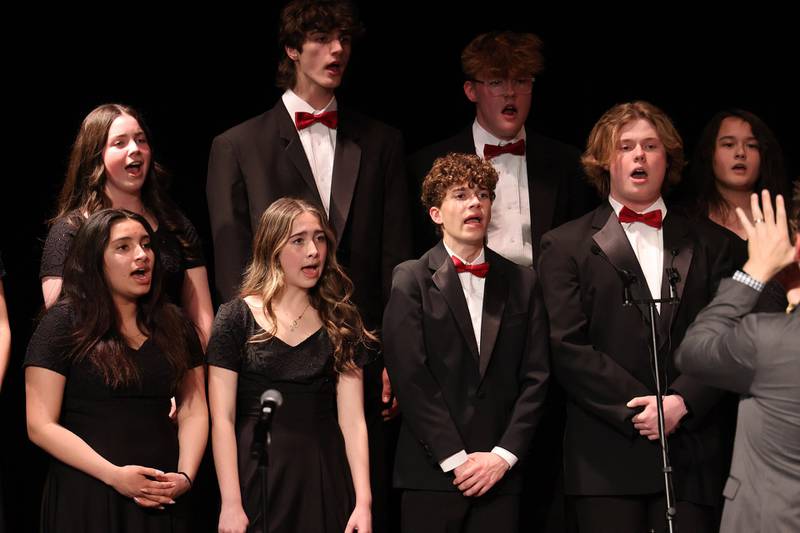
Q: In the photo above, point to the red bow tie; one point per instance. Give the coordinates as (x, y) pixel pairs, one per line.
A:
(651, 218)
(479, 270)
(492, 150)
(304, 120)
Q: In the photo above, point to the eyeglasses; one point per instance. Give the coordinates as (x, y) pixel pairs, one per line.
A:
(498, 87)
(463, 194)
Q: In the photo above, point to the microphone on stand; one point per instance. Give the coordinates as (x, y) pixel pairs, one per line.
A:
(628, 278)
(270, 400)
(673, 277)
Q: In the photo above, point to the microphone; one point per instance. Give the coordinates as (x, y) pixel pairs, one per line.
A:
(673, 277)
(628, 278)
(269, 402)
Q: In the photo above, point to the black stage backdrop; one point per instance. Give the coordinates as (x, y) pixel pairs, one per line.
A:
(198, 73)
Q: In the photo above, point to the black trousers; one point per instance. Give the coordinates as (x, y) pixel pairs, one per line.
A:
(639, 514)
(451, 512)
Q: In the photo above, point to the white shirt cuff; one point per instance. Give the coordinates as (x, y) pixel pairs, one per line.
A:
(509, 457)
(454, 461)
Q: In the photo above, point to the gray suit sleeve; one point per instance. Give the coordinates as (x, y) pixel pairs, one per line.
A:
(719, 348)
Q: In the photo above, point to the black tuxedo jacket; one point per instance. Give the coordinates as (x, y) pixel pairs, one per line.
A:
(262, 160)
(452, 398)
(601, 356)
(556, 184)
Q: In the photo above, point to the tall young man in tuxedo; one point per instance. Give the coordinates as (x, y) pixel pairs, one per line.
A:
(632, 244)
(465, 342)
(541, 185)
(541, 182)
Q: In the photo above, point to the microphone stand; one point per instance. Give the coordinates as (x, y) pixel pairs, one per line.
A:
(260, 450)
(673, 277)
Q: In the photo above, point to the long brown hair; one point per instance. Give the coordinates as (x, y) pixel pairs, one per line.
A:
(84, 185)
(96, 336)
(330, 296)
(771, 172)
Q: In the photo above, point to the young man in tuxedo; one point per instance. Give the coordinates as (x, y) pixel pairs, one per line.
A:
(541, 183)
(307, 147)
(632, 245)
(465, 342)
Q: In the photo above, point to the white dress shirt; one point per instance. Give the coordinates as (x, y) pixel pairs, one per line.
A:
(648, 245)
(510, 228)
(319, 143)
(473, 286)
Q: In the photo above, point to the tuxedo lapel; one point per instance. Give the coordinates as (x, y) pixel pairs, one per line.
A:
(294, 150)
(346, 164)
(495, 294)
(541, 191)
(446, 280)
(616, 248)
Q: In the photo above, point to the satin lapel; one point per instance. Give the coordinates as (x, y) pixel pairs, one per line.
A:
(495, 293)
(346, 164)
(541, 191)
(678, 253)
(446, 280)
(616, 248)
(295, 152)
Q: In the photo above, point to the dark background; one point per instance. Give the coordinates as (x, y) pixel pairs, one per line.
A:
(196, 74)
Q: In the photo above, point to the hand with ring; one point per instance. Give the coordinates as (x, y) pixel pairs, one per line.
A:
(768, 246)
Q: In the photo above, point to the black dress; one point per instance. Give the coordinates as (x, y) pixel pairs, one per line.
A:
(177, 251)
(127, 426)
(773, 297)
(309, 482)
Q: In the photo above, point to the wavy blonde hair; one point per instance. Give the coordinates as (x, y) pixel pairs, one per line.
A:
(264, 278)
(605, 134)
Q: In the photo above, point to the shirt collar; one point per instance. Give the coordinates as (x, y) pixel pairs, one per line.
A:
(295, 104)
(483, 137)
(478, 260)
(658, 204)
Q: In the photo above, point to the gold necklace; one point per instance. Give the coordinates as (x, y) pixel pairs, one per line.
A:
(296, 321)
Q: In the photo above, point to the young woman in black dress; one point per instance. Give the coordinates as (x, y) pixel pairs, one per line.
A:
(737, 155)
(101, 368)
(112, 165)
(293, 329)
